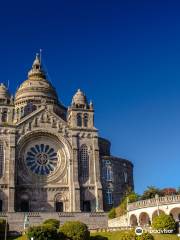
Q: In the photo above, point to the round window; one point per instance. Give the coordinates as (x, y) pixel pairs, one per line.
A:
(41, 159)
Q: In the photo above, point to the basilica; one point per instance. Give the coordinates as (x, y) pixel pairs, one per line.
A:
(52, 158)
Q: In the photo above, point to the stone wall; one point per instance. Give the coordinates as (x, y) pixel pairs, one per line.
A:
(93, 220)
(118, 222)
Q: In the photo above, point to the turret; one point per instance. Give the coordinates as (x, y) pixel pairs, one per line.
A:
(80, 113)
(6, 105)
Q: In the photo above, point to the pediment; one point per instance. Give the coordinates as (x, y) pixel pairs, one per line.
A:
(42, 118)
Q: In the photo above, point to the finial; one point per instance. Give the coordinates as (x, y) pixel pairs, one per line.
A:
(91, 105)
(37, 63)
(40, 55)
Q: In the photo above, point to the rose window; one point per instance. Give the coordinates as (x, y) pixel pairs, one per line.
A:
(42, 159)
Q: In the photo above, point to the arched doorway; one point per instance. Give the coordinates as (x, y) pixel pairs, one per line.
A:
(175, 213)
(59, 206)
(133, 220)
(144, 219)
(61, 203)
(24, 203)
(24, 206)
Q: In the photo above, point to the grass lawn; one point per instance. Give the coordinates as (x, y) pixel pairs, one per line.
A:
(115, 236)
(19, 238)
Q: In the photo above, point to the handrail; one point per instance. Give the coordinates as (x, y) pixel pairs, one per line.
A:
(153, 202)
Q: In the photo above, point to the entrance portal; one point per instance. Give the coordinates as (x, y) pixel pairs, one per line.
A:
(24, 206)
(59, 207)
(86, 206)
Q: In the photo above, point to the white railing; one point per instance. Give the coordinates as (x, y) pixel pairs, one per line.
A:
(153, 202)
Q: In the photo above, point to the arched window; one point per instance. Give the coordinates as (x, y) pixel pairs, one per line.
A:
(79, 120)
(107, 170)
(108, 173)
(1, 158)
(85, 120)
(84, 162)
(4, 115)
(29, 108)
(125, 177)
(109, 197)
(22, 112)
(17, 112)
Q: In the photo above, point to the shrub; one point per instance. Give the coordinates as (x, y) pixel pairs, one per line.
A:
(145, 236)
(53, 222)
(75, 230)
(43, 232)
(112, 213)
(3, 226)
(127, 235)
(164, 221)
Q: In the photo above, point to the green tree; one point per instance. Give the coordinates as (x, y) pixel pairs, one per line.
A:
(150, 192)
(164, 221)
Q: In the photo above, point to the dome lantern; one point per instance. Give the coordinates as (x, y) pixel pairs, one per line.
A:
(79, 99)
(36, 70)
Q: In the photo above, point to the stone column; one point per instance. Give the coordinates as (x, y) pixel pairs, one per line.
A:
(98, 185)
(11, 173)
(75, 178)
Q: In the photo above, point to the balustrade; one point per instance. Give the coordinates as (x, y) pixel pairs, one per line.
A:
(153, 202)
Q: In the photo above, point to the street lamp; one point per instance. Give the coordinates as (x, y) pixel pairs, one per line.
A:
(157, 203)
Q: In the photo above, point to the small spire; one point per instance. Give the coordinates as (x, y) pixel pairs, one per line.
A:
(37, 67)
(40, 55)
(37, 62)
(91, 105)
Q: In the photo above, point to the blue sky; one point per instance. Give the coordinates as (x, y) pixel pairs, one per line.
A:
(125, 55)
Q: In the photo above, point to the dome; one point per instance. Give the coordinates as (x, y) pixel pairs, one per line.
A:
(79, 99)
(36, 88)
(4, 93)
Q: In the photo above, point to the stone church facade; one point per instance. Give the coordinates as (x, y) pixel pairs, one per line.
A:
(51, 157)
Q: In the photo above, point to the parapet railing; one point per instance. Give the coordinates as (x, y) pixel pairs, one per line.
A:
(154, 201)
(60, 214)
